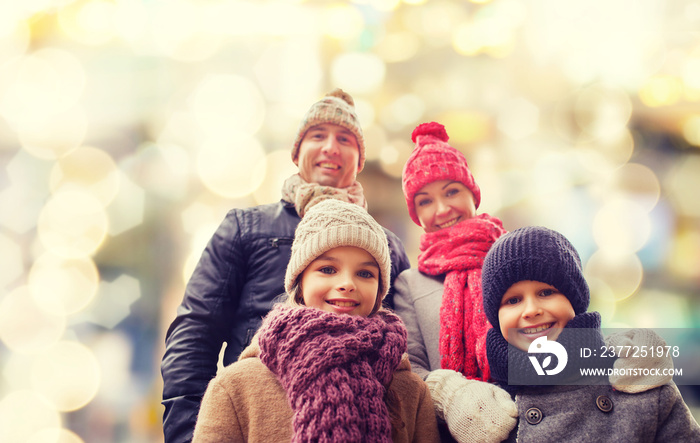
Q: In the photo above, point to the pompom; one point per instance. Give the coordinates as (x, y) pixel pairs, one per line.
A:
(433, 128)
(337, 92)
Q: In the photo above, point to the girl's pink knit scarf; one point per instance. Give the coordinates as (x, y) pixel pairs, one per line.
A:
(459, 252)
(335, 369)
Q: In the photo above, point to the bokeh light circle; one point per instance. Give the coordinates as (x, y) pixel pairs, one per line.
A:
(89, 170)
(233, 169)
(24, 326)
(279, 168)
(23, 413)
(224, 105)
(622, 274)
(358, 73)
(54, 136)
(63, 286)
(54, 435)
(67, 375)
(621, 226)
(72, 224)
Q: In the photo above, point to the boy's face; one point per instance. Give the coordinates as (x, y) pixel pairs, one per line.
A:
(530, 309)
(443, 203)
(343, 280)
(329, 155)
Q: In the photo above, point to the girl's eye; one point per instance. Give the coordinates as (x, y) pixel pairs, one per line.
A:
(343, 139)
(365, 274)
(327, 270)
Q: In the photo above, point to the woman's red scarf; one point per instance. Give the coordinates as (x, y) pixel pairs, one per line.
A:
(459, 252)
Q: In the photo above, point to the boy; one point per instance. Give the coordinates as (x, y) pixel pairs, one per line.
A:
(533, 287)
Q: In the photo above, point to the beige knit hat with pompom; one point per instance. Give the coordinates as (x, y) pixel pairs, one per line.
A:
(336, 107)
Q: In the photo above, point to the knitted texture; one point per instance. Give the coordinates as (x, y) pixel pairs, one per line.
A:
(304, 195)
(533, 253)
(334, 223)
(431, 160)
(458, 253)
(473, 410)
(335, 369)
(633, 382)
(338, 108)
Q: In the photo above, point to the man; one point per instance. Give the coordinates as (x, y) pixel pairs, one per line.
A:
(241, 271)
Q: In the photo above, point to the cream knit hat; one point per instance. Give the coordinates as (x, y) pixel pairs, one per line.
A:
(337, 107)
(331, 224)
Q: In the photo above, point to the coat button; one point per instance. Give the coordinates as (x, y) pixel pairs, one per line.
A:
(604, 403)
(533, 416)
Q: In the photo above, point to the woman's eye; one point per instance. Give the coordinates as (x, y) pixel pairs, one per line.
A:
(424, 202)
(451, 192)
(547, 292)
(327, 270)
(365, 274)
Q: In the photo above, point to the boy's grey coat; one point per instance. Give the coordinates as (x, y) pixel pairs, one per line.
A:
(570, 413)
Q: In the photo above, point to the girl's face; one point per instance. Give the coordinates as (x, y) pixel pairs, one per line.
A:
(344, 280)
(443, 203)
(530, 309)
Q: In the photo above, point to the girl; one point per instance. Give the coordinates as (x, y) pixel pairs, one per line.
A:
(327, 365)
(534, 289)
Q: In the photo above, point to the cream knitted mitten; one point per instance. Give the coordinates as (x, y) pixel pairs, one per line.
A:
(473, 410)
(638, 340)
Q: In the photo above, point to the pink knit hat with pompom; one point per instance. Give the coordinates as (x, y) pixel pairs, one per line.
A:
(431, 160)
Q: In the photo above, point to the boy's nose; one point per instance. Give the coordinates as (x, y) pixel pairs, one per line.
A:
(531, 308)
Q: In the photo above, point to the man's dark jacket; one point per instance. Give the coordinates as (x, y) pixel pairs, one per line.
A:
(238, 278)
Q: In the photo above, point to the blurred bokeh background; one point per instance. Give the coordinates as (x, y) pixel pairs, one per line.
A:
(128, 128)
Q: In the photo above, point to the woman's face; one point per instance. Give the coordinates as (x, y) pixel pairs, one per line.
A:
(343, 280)
(442, 204)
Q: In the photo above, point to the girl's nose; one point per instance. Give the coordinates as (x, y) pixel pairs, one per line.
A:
(345, 283)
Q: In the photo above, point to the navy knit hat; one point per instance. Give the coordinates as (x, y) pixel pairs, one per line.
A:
(532, 253)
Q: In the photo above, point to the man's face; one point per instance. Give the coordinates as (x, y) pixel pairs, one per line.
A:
(329, 155)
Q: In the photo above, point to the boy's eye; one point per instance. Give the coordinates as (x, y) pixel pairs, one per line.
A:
(365, 274)
(327, 270)
(511, 301)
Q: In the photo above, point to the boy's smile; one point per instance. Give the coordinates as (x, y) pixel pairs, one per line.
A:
(532, 309)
